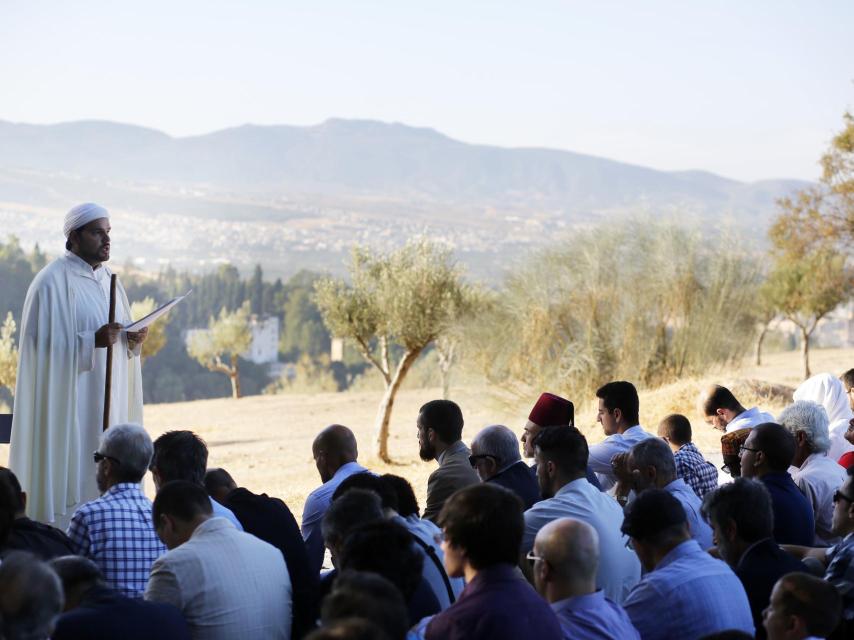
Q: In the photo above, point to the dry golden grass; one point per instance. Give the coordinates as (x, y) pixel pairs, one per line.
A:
(265, 441)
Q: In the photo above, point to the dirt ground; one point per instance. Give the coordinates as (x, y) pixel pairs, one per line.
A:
(265, 441)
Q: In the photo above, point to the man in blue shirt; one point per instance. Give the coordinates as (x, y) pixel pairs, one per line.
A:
(565, 559)
(335, 452)
(685, 593)
(182, 455)
(766, 456)
(650, 464)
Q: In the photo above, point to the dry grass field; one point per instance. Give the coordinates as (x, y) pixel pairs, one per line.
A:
(265, 441)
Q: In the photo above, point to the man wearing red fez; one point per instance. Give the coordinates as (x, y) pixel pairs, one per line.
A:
(550, 411)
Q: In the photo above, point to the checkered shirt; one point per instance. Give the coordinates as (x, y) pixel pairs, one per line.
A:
(697, 472)
(840, 573)
(115, 531)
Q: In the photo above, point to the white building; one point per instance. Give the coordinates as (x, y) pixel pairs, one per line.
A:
(264, 348)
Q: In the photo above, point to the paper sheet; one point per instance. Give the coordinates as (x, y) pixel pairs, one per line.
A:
(151, 317)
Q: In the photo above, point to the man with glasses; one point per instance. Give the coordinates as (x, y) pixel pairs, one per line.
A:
(565, 560)
(115, 531)
(766, 456)
(495, 457)
(838, 560)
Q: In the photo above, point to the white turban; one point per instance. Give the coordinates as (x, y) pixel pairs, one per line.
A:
(81, 215)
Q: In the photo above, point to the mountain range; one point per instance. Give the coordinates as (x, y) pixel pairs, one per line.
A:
(377, 175)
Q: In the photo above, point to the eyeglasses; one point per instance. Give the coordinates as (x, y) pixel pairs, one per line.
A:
(743, 448)
(98, 456)
(532, 557)
(473, 459)
(841, 496)
(629, 544)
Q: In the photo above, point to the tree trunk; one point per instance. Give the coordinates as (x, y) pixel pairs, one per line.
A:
(805, 349)
(387, 404)
(759, 342)
(446, 355)
(235, 378)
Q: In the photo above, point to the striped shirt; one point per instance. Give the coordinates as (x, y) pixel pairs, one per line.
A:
(697, 472)
(115, 531)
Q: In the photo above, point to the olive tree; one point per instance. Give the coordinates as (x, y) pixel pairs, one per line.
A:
(219, 347)
(8, 354)
(393, 307)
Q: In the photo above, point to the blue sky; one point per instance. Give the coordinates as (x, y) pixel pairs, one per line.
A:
(749, 90)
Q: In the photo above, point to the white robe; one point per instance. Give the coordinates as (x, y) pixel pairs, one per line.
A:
(59, 396)
(827, 390)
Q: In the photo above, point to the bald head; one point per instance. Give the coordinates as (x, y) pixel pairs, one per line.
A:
(333, 447)
(569, 552)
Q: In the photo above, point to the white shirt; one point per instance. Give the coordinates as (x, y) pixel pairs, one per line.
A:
(602, 453)
(748, 419)
(227, 583)
(619, 568)
(819, 477)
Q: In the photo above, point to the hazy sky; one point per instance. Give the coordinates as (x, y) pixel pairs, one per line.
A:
(748, 89)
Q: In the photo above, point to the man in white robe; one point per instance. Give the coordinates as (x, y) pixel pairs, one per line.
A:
(59, 396)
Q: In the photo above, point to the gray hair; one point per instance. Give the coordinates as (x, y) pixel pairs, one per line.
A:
(30, 598)
(811, 418)
(499, 442)
(655, 452)
(131, 446)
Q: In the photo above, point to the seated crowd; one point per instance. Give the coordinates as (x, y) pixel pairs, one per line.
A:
(635, 537)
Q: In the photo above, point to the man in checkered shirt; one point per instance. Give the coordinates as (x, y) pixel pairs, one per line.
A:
(697, 472)
(115, 530)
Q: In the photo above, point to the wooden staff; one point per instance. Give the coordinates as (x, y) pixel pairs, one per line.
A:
(108, 383)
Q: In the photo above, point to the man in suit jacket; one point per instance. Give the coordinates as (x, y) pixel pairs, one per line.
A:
(495, 457)
(741, 516)
(440, 427)
(93, 611)
(227, 583)
(270, 520)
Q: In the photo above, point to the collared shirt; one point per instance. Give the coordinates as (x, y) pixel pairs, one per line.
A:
(316, 505)
(116, 532)
(498, 604)
(818, 478)
(619, 568)
(700, 474)
(748, 419)
(700, 530)
(840, 573)
(688, 595)
(793, 519)
(593, 617)
(426, 530)
(602, 453)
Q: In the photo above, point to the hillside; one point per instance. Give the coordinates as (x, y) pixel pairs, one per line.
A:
(298, 197)
(265, 441)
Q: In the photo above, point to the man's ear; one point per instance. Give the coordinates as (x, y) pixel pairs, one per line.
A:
(729, 529)
(617, 413)
(719, 412)
(23, 500)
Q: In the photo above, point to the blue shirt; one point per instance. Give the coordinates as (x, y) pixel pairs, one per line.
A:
(794, 521)
(840, 573)
(220, 511)
(619, 568)
(593, 617)
(426, 531)
(316, 504)
(602, 453)
(115, 531)
(700, 531)
(688, 595)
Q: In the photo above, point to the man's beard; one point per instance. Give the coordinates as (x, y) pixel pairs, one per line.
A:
(427, 452)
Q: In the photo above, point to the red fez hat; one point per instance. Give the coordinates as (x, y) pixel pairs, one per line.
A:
(552, 411)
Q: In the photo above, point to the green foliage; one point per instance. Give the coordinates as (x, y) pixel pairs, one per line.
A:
(303, 331)
(8, 354)
(641, 301)
(312, 376)
(156, 339)
(226, 338)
